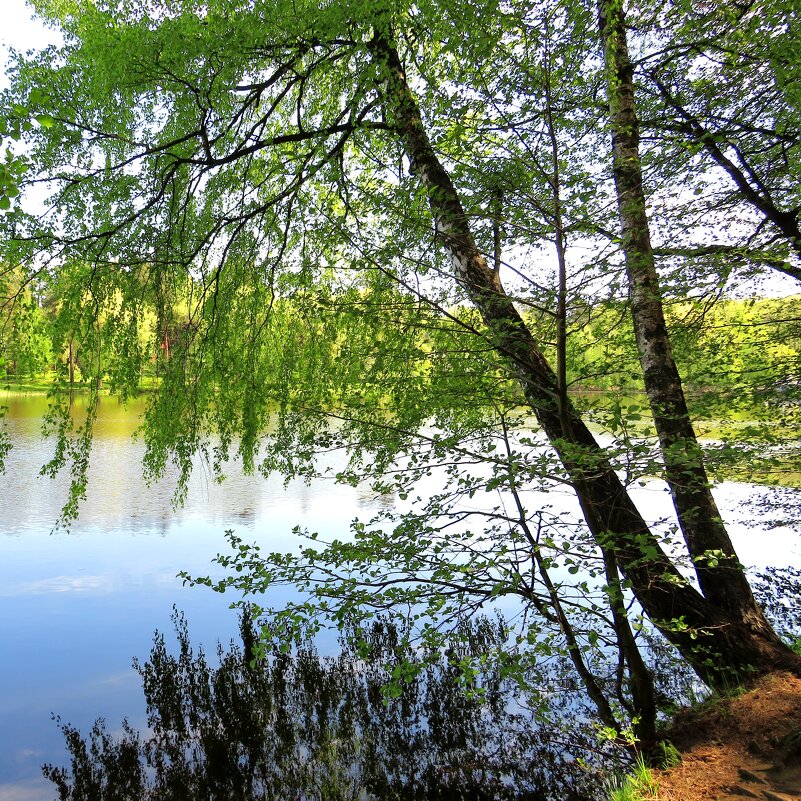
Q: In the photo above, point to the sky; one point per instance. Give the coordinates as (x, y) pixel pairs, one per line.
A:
(19, 30)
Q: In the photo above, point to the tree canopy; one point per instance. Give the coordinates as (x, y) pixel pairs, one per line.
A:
(380, 228)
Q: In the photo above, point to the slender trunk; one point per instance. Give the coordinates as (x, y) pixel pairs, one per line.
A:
(71, 358)
(704, 532)
(643, 706)
(641, 682)
(593, 689)
(497, 245)
(561, 258)
(714, 643)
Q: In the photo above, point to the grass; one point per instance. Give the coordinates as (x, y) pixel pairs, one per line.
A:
(639, 785)
(669, 755)
(27, 385)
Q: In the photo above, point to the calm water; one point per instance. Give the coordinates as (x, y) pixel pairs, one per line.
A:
(76, 606)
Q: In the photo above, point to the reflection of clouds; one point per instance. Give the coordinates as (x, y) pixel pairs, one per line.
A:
(76, 606)
(27, 753)
(118, 498)
(95, 584)
(32, 790)
(746, 510)
(117, 567)
(759, 541)
(117, 494)
(57, 584)
(126, 679)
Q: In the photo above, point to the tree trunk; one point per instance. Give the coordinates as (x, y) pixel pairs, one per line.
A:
(704, 532)
(643, 695)
(716, 644)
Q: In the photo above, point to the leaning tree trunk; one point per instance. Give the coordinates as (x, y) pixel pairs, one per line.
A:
(704, 532)
(716, 643)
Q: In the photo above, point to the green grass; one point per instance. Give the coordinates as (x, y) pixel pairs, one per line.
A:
(29, 385)
(639, 785)
(668, 756)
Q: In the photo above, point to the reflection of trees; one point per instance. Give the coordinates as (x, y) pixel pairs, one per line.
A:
(301, 726)
(118, 497)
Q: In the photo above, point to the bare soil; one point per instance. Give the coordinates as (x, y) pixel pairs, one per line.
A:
(739, 748)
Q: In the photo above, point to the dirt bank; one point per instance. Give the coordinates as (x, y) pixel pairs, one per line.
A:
(745, 747)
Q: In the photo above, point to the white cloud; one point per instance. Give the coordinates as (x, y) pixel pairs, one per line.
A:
(33, 790)
(19, 30)
(59, 584)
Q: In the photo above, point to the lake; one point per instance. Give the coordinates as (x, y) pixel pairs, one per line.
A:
(77, 605)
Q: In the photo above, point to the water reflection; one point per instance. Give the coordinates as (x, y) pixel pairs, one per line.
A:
(118, 496)
(301, 726)
(76, 606)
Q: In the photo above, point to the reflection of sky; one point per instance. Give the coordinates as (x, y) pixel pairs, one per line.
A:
(747, 511)
(76, 606)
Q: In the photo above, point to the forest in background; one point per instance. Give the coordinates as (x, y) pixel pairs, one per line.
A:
(750, 347)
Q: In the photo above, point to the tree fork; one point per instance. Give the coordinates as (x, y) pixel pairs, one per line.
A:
(786, 222)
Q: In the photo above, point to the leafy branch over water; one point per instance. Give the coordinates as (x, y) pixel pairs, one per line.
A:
(298, 725)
